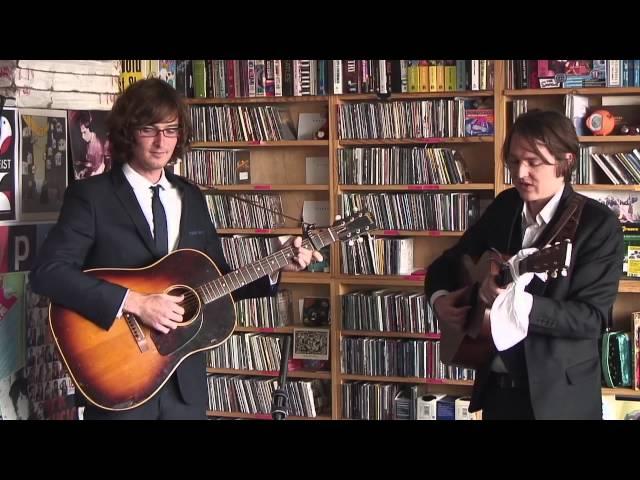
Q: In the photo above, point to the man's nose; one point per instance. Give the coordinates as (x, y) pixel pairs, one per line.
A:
(523, 170)
(159, 137)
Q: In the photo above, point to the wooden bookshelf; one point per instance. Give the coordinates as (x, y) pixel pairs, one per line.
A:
(628, 285)
(597, 91)
(259, 416)
(609, 139)
(601, 186)
(628, 288)
(417, 233)
(414, 141)
(416, 188)
(384, 379)
(381, 280)
(417, 95)
(259, 231)
(265, 188)
(622, 392)
(274, 373)
(258, 100)
(387, 334)
(263, 144)
(279, 167)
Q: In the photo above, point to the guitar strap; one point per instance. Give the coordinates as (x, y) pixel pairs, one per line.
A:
(567, 224)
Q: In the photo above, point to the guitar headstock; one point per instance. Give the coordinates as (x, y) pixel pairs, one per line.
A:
(352, 227)
(552, 259)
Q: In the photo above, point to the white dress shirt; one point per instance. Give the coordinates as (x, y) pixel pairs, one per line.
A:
(171, 200)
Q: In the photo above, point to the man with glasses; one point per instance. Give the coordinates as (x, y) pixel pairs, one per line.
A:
(546, 363)
(129, 218)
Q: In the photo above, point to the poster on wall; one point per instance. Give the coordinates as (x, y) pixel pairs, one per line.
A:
(90, 151)
(43, 156)
(8, 169)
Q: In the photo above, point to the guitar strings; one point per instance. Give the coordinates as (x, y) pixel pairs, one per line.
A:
(191, 300)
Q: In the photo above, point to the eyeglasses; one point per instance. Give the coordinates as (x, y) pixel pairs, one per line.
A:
(151, 131)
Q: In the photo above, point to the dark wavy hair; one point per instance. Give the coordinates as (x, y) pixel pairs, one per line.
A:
(144, 103)
(554, 130)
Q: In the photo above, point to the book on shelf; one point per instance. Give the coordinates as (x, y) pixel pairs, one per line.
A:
(311, 343)
(285, 125)
(404, 403)
(462, 410)
(446, 408)
(426, 406)
(315, 311)
(479, 122)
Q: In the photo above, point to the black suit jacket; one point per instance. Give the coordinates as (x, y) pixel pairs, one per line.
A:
(568, 313)
(101, 224)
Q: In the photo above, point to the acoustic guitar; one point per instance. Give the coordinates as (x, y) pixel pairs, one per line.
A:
(472, 346)
(123, 367)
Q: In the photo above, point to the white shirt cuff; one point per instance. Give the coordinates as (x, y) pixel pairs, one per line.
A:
(121, 310)
(437, 294)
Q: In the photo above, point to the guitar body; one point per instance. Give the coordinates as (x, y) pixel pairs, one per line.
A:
(471, 347)
(117, 369)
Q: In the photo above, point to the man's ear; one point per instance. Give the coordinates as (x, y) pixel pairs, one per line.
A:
(570, 158)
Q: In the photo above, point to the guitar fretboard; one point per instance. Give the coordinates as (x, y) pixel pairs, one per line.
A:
(232, 281)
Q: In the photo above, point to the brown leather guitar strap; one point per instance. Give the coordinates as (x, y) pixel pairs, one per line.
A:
(566, 227)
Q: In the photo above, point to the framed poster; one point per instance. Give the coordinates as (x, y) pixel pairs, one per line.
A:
(8, 168)
(43, 156)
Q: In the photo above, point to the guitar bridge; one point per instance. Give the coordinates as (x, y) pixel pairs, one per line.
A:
(137, 332)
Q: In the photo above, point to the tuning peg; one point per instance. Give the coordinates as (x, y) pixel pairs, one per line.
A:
(355, 210)
(338, 217)
(554, 273)
(557, 243)
(350, 242)
(563, 272)
(360, 239)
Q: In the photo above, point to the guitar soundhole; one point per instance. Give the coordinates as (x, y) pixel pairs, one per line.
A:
(191, 303)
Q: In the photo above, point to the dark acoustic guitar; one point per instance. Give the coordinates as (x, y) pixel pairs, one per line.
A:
(472, 346)
(121, 368)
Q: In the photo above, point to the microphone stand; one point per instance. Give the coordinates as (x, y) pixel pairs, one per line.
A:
(280, 400)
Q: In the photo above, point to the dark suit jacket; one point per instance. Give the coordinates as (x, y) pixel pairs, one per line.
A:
(102, 225)
(568, 314)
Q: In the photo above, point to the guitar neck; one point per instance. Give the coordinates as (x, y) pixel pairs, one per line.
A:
(232, 281)
(504, 277)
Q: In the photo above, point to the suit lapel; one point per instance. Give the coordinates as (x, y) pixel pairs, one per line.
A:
(125, 194)
(515, 232)
(537, 286)
(187, 200)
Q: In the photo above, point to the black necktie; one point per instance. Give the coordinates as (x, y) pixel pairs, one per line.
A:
(159, 223)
